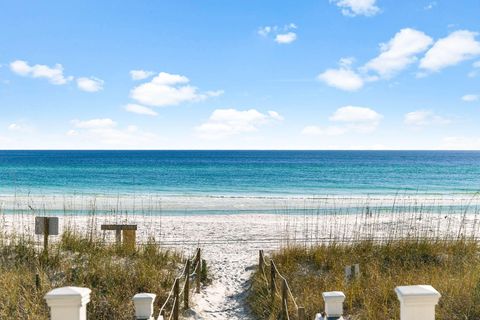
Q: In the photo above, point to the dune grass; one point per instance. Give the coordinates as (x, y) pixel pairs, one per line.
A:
(113, 273)
(450, 266)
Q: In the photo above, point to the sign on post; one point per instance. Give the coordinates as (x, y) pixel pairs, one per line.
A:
(46, 226)
(40, 223)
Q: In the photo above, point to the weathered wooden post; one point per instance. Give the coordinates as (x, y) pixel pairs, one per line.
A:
(260, 261)
(333, 303)
(198, 272)
(417, 302)
(144, 306)
(68, 303)
(348, 274)
(301, 313)
(356, 270)
(176, 297)
(272, 280)
(46, 233)
(187, 285)
(46, 226)
(284, 299)
(37, 281)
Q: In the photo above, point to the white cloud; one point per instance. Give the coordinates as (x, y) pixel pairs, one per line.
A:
(264, 31)
(94, 123)
(281, 35)
(14, 127)
(228, 122)
(451, 50)
(140, 74)
(168, 89)
(353, 8)
(355, 114)
(351, 118)
(476, 69)
(72, 133)
(430, 6)
(91, 84)
(53, 74)
(343, 78)
(399, 52)
(470, 98)
(421, 118)
(460, 143)
(20, 127)
(106, 132)
(286, 38)
(139, 109)
(324, 131)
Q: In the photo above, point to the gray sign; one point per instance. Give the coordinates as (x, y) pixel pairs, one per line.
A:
(52, 225)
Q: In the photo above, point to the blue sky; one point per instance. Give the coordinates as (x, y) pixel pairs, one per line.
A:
(338, 74)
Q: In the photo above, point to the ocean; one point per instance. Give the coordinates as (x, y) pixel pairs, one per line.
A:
(239, 173)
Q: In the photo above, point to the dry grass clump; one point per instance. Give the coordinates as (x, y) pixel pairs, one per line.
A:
(113, 273)
(452, 267)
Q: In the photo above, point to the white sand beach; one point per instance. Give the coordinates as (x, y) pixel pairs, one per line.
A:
(230, 242)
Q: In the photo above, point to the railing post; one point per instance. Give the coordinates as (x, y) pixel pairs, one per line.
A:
(260, 261)
(301, 313)
(284, 299)
(176, 291)
(417, 302)
(68, 303)
(144, 306)
(198, 272)
(333, 303)
(187, 285)
(272, 280)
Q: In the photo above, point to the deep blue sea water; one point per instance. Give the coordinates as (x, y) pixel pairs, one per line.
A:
(260, 173)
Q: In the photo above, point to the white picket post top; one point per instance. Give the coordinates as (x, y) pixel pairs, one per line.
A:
(334, 303)
(144, 305)
(68, 303)
(417, 302)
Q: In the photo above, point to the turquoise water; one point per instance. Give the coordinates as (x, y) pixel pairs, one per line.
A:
(258, 173)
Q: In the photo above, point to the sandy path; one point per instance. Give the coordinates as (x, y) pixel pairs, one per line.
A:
(225, 297)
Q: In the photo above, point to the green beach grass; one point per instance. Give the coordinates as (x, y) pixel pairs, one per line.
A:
(113, 273)
(451, 266)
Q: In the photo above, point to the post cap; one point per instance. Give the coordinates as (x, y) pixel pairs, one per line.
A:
(421, 294)
(333, 296)
(333, 303)
(144, 296)
(144, 305)
(68, 295)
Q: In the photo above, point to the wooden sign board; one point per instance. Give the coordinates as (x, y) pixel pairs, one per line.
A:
(52, 225)
(127, 230)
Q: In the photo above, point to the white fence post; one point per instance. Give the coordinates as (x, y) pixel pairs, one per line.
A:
(333, 303)
(144, 305)
(68, 303)
(417, 302)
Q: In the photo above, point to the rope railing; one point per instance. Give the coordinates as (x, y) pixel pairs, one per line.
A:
(285, 292)
(175, 293)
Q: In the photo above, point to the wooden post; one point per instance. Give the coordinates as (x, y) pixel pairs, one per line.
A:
(260, 261)
(272, 280)
(37, 281)
(176, 291)
(187, 285)
(301, 313)
(198, 272)
(46, 232)
(118, 236)
(284, 299)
